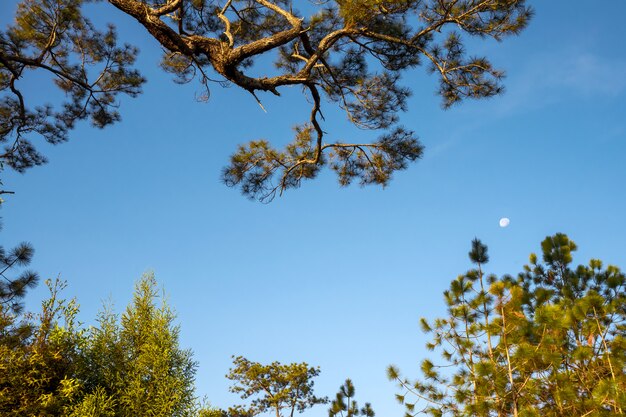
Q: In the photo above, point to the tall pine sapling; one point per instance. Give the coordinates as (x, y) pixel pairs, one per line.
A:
(344, 404)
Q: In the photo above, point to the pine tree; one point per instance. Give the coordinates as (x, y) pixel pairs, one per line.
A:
(282, 390)
(276, 388)
(344, 404)
(13, 287)
(549, 342)
(14, 330)
(345, 53)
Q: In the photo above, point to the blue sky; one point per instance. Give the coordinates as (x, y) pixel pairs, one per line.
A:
(336, 277)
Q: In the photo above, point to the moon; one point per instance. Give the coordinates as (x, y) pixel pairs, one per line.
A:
(504, 222)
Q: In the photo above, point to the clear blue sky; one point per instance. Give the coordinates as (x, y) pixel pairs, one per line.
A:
(335, 277)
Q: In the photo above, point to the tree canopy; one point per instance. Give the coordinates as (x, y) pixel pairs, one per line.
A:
(275, 388)
(283, 390)
(548, 342)
(128, 365)
(345, 53)
(132, 365)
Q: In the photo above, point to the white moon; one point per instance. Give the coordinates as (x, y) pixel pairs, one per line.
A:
(504, 222)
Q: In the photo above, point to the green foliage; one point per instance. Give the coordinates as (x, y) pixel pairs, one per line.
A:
(347, 53)
(125, 366)
(138, 360)
(209, 411)
(39, 370)
(344, 404)
(13, 287)
(87, 65)
(549, 342)
(284, 389)
(95, 404)
(275, 387)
